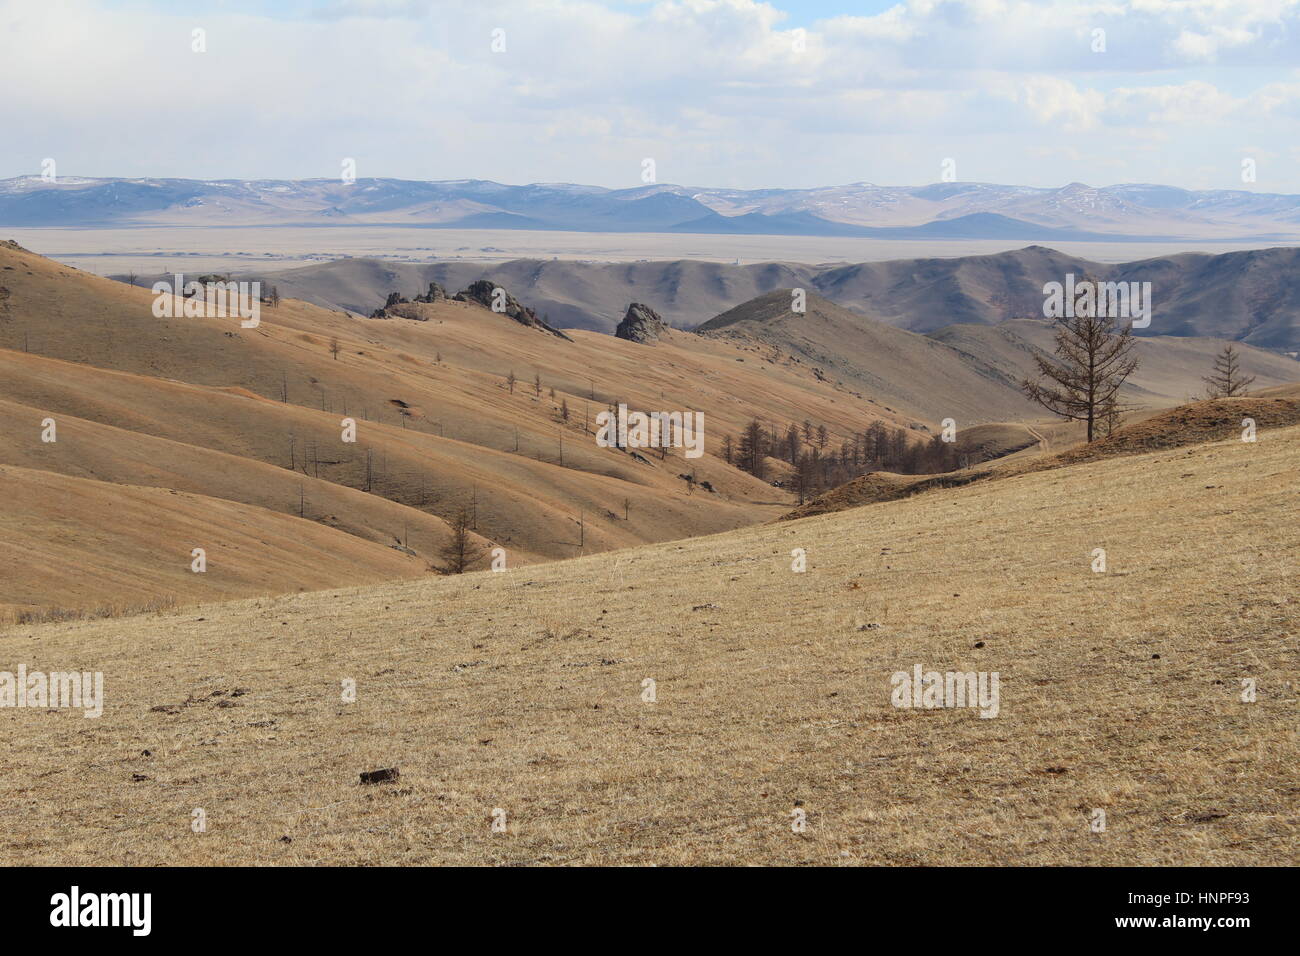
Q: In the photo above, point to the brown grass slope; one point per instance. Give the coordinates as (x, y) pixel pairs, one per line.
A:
(970, 373)
(440, 430)
(87, 449)
(523, 691)
(413, 469)
(104, 323)
(94, 545)
(897, 369)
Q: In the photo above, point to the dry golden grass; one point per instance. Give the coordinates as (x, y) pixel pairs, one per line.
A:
(522, 691)
(47, 615)
(194, 405)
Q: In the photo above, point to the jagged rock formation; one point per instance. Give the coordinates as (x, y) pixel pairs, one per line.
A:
(641, 324)
(400, 307)
(436, 293)
(394, 299)
(484, 293)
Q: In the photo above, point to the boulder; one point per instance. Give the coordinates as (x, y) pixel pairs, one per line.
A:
(641, 324)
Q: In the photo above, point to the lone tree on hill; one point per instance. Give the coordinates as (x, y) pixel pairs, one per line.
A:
(1092, 362)
(461, 550)
(1226, 381)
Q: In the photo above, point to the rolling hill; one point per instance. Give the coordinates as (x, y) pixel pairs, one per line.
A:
(970, 373)
(523, 696)
(1249, 296)
(253, 417)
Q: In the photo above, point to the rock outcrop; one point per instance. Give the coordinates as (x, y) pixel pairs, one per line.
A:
(492, 296)
(436, 293)
(641, 324)
(394, 299)
(483, 292)
(400, 307)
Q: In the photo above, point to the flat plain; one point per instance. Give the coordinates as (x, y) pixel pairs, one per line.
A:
(117, 250)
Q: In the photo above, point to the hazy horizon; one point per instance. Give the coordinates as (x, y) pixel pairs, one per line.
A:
(65, 178)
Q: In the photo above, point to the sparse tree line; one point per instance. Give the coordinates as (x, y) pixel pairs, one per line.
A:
(819, 464)
(1093, 360)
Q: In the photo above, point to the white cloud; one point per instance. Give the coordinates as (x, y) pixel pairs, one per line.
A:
(714, 89)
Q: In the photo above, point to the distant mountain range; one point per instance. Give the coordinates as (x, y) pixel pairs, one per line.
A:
(1251, 296)
(957, 210)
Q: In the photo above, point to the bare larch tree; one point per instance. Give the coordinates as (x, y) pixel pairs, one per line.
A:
(461, 550)
(1227, 381)
(1092, 361)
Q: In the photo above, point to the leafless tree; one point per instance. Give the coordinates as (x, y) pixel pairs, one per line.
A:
(1227, 381)
(1092, 361)
(460, 551)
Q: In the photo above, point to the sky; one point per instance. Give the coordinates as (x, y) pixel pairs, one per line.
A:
(718, 93)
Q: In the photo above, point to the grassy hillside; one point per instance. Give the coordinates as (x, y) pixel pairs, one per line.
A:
(1120, 691)
(971, 373)
(900, 369)
(103, 548)
(253, 417)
